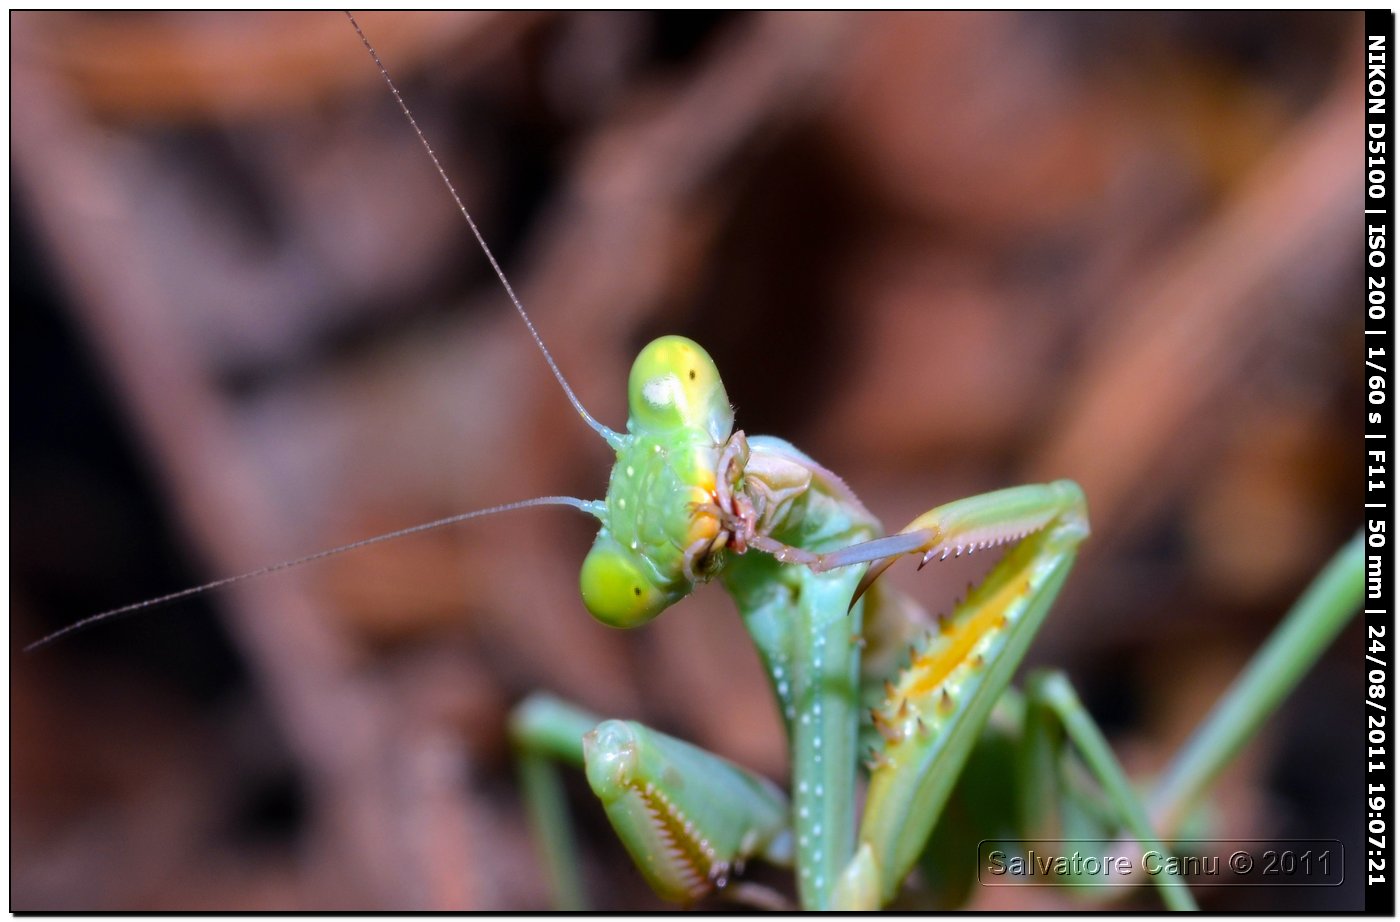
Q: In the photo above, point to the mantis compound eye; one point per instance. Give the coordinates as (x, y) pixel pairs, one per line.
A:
(674, 385)
(619, 588)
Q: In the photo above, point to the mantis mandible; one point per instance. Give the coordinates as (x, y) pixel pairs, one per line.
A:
(800, 554)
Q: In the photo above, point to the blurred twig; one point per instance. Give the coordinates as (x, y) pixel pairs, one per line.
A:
(237, 65)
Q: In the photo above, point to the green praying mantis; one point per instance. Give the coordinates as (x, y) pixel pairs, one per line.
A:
(691, 500)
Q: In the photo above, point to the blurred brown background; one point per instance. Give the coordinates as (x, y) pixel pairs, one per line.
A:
(942, 253)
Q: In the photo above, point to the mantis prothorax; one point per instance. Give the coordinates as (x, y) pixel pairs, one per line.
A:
(691, 499)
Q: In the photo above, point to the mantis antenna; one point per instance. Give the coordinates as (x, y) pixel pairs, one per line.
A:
(593, 507)
(612, 438)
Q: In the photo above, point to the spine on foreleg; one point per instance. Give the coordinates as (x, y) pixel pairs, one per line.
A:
(933, 713)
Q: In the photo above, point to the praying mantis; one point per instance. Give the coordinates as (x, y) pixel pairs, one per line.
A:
(755, 554)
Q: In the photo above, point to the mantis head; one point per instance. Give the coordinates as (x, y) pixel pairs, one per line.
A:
(663, 527)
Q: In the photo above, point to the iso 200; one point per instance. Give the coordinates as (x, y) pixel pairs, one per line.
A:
(1290, 863)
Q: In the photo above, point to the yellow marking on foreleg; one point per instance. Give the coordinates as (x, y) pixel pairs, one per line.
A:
(929, 670)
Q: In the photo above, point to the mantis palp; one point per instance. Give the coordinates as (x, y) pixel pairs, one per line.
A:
(741, 399)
